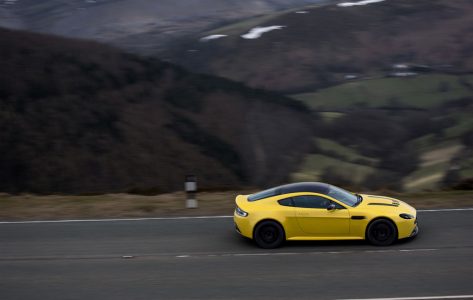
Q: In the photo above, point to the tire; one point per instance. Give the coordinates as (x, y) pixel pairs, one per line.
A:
(381, 232)
(269, 235)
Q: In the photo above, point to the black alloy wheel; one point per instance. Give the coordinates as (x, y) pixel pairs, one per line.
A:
(268, 235)
(381, 232)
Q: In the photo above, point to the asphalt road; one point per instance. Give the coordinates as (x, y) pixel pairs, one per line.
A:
(205, 258)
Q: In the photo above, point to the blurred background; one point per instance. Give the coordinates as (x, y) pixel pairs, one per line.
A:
(129, 96)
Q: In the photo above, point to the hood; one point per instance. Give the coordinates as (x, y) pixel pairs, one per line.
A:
(380, 200)
(372, 201)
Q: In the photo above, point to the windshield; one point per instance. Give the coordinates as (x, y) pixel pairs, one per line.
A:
(343, 196)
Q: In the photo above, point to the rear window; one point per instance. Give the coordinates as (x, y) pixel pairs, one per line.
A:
(286, 202)
(263, 194)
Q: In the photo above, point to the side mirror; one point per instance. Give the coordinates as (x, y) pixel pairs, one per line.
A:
(331, 206)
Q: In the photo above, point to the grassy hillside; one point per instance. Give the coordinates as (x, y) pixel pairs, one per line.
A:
(317, 167)
(391, 81)
(412, 133)
(80, 117)
(424, 91)
(321, 47)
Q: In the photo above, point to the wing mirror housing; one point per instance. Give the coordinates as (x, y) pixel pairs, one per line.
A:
(331, 206)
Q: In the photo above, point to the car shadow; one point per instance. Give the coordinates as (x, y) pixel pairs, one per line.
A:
(323, 244)
(346, 245)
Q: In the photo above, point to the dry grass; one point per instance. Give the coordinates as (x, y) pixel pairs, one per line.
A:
(55, 207)
(52, 207)
(440, 155)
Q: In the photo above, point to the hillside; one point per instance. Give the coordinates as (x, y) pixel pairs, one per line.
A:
(142, 26)
(301, 51)
(81, 117)
(391, 79)
(410, 133)
(389, 85)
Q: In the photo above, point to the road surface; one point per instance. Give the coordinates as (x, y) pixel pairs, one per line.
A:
(205, 259)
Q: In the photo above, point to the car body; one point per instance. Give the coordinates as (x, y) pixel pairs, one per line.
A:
(320, 211)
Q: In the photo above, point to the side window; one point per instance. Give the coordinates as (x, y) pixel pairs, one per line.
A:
(311, 201)
(286, 202)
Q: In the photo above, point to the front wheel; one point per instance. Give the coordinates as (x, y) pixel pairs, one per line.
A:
(268, 235)
(381, 232)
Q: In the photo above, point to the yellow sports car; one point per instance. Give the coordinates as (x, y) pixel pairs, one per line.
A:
(320, 211)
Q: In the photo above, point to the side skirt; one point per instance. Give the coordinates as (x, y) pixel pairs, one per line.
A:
(324, 238)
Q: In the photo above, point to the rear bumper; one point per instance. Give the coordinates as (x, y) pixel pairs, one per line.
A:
(243, 226)
(237, 229)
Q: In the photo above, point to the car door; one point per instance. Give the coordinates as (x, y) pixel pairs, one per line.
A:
(316, 220)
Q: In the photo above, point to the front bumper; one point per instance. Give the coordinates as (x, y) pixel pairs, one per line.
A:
(416, 230)
(407, 228)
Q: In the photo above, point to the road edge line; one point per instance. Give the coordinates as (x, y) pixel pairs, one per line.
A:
(417, 298)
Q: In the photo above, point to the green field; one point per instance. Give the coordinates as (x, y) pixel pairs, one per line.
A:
(338, 150)
(425, 178)
(467, 168)
(464, 123)
(422, 91)
(330, 116)
(315, 164)
(435, 162)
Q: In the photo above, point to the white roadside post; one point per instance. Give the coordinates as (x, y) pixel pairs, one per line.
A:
(190, 187)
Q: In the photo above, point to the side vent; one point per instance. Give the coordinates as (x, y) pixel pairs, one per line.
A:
(394, 203)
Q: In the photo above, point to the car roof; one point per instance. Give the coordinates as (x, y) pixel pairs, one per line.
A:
(313, 187)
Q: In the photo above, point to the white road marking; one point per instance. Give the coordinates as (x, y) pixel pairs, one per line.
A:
(214, 255)
(251, 254)
(415, 250)
(417, 298)
(182, 218)
(115, 220)
(399, 250)
(445, 209)
(302, 253)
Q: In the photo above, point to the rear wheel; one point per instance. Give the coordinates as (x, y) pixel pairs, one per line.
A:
(268, 235)
(381, 232)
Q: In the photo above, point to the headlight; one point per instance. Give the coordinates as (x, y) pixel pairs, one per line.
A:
(407, 216)
(241, 212)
